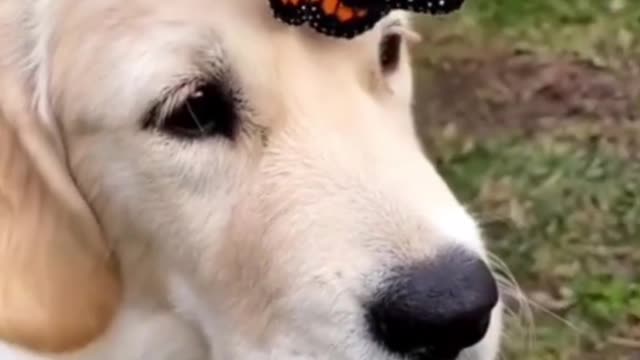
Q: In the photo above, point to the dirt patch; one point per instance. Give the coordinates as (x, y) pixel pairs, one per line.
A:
(522, 91)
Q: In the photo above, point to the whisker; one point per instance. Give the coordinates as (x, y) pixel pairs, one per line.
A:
(510, 288)
(555, 316)
(525, 306)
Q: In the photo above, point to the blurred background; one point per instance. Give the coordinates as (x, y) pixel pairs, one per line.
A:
(531, 109)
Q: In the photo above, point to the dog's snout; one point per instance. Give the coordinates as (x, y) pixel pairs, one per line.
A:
(434, 310)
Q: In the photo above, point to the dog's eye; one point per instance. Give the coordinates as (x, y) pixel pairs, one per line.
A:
(390, 52)
(207, 110)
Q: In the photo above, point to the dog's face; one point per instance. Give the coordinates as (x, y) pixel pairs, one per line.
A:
(266, 181)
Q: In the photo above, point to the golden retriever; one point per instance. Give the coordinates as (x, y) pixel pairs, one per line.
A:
(196, 180)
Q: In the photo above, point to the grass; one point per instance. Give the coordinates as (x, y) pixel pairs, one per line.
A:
(601, 30)
(559, 204)
(562, 209)
(592, 23)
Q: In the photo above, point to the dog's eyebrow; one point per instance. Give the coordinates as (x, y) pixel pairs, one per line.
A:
(203, 61)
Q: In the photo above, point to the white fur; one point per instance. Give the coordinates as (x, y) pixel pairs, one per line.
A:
(243, 250)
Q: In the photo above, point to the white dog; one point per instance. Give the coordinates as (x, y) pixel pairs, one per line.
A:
(259, 188)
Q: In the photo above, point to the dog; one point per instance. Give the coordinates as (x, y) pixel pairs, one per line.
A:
(196, 180)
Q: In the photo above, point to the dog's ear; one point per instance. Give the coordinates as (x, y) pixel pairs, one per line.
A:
(59, 281)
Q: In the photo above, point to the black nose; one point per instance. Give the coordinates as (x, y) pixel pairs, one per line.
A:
(434, 310)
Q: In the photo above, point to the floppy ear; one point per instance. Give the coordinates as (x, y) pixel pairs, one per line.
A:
(59, 284)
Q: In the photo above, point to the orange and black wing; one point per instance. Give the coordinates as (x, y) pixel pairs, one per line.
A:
(292, 12)
(334, 18)
(420, 6)
(425, 6)
(349, 18)
(330, 17)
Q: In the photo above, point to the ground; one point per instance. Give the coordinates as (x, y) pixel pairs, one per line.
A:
(531, 109)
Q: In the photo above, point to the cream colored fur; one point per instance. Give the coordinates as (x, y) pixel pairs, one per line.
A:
(258, 248)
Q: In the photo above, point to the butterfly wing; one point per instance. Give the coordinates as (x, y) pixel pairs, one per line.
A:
(349, 18)
(425, 6)
(363, 4)
(335, 18)
(292, 12)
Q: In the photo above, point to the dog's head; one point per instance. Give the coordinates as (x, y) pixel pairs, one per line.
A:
(263, 181)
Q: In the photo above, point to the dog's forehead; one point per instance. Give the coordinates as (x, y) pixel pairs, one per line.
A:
(148, 44)
(243, 25)
(235, 16)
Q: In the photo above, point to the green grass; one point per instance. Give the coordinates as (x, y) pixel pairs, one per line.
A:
(560, 205)
(529, 17)
(562, 209)
(601, 30)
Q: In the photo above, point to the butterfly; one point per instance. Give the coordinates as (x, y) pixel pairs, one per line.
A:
(349, 18)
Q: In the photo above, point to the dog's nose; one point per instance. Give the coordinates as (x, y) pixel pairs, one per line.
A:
(434, 310)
